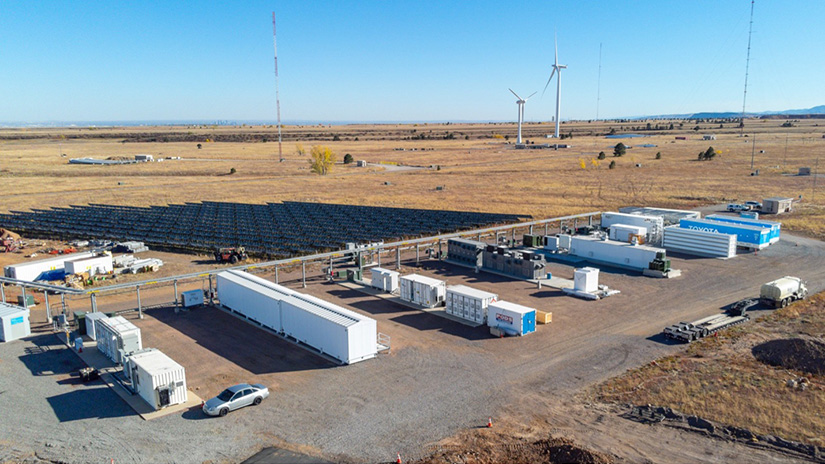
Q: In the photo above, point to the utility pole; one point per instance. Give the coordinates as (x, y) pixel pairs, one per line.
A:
(747, 65)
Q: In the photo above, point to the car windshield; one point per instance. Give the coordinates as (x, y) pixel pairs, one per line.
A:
(225, 395)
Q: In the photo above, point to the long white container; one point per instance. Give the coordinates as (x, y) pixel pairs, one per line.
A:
(330, 329)
(192, 298)
(511, 318)
(622, 232)
(117, 337)
(14, 322)
(91, 328)
(422, 290)
(699, 242)
(611, 252)
(44, 269)
(385, 279)
(654, 224)
(586, 279)
(94, 265)
(469, 303)
(158, 379)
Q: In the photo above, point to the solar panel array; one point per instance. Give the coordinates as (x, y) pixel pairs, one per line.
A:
(273, 229)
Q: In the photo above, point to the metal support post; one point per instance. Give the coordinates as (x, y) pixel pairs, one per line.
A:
(479, 237)
(545, 228)
(360, 261)
(276, 274)
(304, 274)
(176, 296)
(439, 249)
(398, 258)
(140, 308)
(93, 301)
(330, 266)
(416, 255)
(378, 256)
(48, 309)
(531, 229)
(62, 303)
(590, 220)
(575, 224)
(25, 300)
(211, 300)
(3, 292)
(513, 236)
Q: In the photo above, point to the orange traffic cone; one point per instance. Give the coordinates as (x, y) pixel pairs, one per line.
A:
(489, 422)
(398, 460)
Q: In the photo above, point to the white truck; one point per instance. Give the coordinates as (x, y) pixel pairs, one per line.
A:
(781, 292)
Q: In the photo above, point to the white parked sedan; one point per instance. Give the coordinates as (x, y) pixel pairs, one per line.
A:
(235, 397)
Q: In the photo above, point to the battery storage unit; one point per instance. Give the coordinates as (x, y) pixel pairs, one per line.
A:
(747, 236)
(89, 320)
(700, 242)
(14, 322)
(158, 379)
(117, 338)
(423, 291)
(775, 227)
(469, 303)
(385, 279)
(511, 318)
(322, 326)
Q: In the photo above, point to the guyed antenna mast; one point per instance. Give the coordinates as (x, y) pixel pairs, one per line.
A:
(277, 95)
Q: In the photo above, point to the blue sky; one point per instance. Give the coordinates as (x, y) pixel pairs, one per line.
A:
(402, 61)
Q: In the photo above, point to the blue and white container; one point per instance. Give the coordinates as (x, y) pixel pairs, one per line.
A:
(14, 322)
(747, 236)
(775, 227)
(511, 318)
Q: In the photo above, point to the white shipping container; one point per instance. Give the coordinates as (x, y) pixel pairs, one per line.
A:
(510, 317)
(654, 224)
(94, 265)
(90, 324)
(551, 243)
(328, 328)
(615, 253)
(192, 298)
(699, 242)
(14, 322)
(385, 279)
(117, 337)
(41, 269)
(622, 232)
(469, 303)
(586, 279)
(564, 241)
(421, 290)
(158, 379)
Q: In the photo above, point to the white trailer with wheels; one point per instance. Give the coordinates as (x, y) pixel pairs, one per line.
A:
(158, 379)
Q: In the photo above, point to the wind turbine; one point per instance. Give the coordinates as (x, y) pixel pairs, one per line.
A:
(520, 102)
(556, 70)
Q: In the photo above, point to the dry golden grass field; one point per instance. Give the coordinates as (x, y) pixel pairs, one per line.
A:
(479, 169)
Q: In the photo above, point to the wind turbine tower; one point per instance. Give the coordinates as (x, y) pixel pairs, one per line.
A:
(520, 102)
(557, 72)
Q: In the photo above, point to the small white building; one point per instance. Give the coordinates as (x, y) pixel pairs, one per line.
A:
(94, 265)
(145, 158)
(422, 290)
(117, 338)
(14, 322)
(385, 279)
(469, 303)
(586, 279)
(513, 319)
(623, 232)
(158, 379)
(43, 269)
(708, 137)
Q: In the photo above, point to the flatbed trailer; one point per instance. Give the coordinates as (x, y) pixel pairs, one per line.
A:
(690, 331)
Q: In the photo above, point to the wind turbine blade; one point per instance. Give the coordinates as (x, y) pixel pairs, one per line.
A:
(556, 43)
(531, 96)
(511, 91)
(548, 82)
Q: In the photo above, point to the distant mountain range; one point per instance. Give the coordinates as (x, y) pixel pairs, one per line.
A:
(730, 114)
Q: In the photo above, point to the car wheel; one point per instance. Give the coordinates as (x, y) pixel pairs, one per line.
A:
(784, 303)
(223, 412)
(257, 401)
